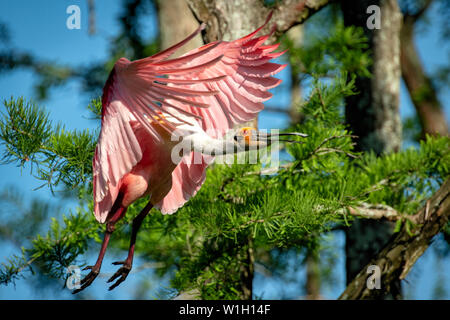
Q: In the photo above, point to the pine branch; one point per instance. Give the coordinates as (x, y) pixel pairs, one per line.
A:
(397, 258)
(380, 211)
(277, 110)
(52, 249)
(56, 154)
(91, 14)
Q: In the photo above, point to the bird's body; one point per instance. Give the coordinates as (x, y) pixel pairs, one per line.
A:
(152, 175)
(146, 103)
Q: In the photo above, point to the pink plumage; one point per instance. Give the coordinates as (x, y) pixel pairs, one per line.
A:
(146, 102)
(219, 84)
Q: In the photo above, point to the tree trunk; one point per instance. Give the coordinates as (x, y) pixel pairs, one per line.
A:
(421, 90)
(176, 22)
(312, 285)
(373, 115)
(247, 270)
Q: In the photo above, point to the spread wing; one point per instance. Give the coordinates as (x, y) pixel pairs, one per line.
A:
(240, 97)
(219, 84)
(136, 92)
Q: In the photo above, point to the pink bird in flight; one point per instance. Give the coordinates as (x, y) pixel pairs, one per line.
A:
(201, 94)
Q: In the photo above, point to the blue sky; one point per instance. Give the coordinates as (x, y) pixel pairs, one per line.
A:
(40, 27)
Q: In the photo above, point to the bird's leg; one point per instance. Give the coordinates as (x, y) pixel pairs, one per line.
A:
(118, 213)
(127, 264)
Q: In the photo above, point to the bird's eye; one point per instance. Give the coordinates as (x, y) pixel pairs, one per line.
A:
(235, 138)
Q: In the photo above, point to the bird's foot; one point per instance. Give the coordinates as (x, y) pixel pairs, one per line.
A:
(86, 281)
(122, 273)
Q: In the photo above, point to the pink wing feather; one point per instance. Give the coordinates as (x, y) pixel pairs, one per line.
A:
(117, 151)
(131, 94)
(220, 84)
(239, 99)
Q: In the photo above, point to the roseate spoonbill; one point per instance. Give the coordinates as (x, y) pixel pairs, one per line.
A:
(145, 101)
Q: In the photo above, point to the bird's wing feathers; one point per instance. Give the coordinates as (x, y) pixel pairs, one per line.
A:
(241, 93)
(245, 63)
(137, 91)
(187, 179)
(219, 84)
(117, 151)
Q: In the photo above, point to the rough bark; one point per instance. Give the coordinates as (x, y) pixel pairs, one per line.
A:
(373, 116)
(228, 20)
(396, 259)
(420, 87)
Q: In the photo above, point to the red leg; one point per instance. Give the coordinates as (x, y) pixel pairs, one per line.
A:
(127, 264)
(117, 212)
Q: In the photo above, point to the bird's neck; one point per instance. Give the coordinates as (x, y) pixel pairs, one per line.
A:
(217, 147)
(195, 139)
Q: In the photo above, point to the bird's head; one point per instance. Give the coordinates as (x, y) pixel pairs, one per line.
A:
(249, 137)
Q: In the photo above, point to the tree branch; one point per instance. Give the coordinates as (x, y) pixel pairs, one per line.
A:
(380, 211)
(419, 85)
(290, 13)
(396, 259)
(91, 14)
